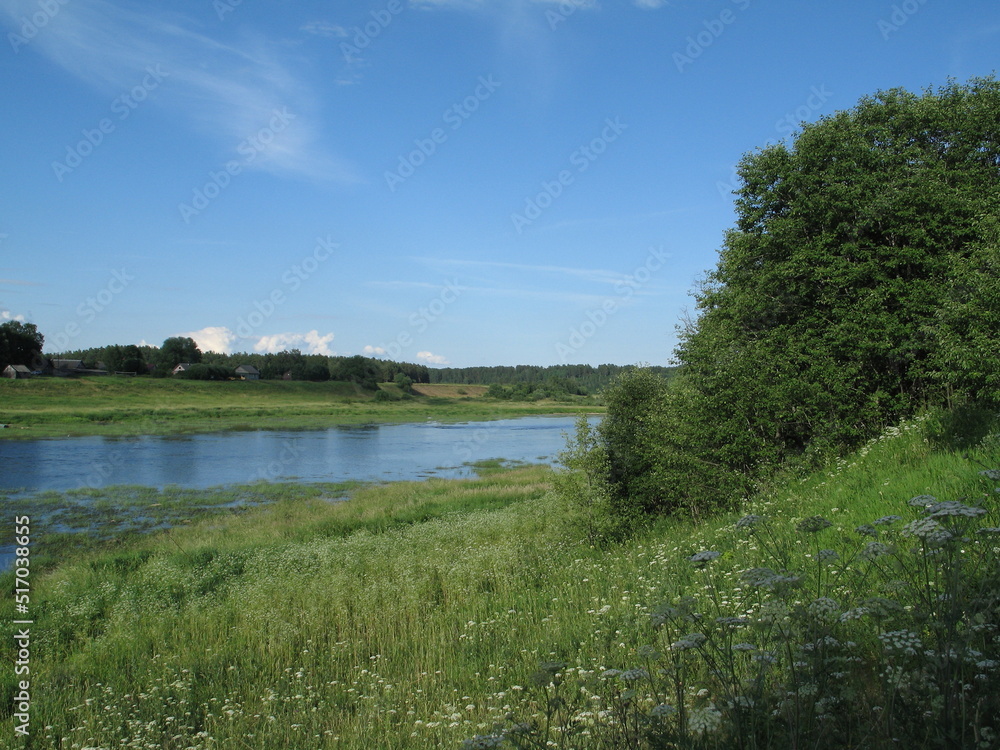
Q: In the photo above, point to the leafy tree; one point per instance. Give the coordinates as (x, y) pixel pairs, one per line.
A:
(20, 344)
(853, 245)
(357, 369)
(177, 350)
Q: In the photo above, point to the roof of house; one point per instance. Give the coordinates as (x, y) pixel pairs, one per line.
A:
(19, 368)
(247, 370)
(67, 364)
(182, 366)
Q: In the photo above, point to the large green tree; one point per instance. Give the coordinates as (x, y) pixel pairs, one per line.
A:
(859, 283)
(820, 324)
(20, 344)
(177, 350)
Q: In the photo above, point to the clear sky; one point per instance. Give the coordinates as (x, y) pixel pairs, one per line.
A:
(453, 182)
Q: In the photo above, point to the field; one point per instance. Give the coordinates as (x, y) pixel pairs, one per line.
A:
(422, 615)
(44, 408)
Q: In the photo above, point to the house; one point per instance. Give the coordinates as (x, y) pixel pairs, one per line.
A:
(16, 372)
(64, 368)
(183, 367)
(247, 372)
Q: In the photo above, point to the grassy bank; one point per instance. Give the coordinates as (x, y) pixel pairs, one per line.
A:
(417, 615)
(112, 406)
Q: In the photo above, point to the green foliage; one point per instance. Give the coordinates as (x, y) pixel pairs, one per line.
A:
(177, 350)
(858, 285)
(357, 370)
(20, 344)
(847, 617)
(584, 485)
(575, 379)
(206, 372)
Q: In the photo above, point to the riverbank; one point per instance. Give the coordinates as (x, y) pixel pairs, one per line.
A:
(421, 614)
(117, 407)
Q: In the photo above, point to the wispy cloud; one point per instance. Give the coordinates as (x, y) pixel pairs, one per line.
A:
(226, 91)
(598, 275)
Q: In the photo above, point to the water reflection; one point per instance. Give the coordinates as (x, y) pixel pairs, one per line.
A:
(355, 452)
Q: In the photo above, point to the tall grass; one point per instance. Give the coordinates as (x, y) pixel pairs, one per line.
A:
(426, 614)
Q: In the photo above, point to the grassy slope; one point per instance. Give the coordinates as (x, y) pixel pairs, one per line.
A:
(414, 614)
(123, 406)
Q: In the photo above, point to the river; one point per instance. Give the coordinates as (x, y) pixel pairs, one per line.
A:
(378, 452)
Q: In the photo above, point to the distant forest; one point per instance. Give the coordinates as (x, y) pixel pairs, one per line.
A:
(590, 379)
(517, 381)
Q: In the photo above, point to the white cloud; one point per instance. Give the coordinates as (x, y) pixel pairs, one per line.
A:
(7, 315)
(432, 359)
(230, 92)
(373, 351)
(213, 339)
(650, 4)
(307, 343)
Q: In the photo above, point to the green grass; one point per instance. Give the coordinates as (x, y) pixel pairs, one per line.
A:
(416, 614)
(115, 406)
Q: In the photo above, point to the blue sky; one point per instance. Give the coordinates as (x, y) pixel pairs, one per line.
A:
(453, 182)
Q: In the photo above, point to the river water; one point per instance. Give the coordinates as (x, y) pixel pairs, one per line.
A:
(382, 452)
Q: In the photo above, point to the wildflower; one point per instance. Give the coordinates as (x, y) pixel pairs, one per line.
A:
(993, 474)
(749, 521)
(732, 621)
(922, 501)
(901, 640)
(704, 720)
(484, 741)
(662, 711)
(989, 530)
(609, 673)
(824, 608)
(954, 508)
(744, 647)
(813, 524)
(703, 557)
(649, 652)
(692, 640)
(827, 554)
(927, 529)
(886, 520)
(875, 549)
(632, 675)
(867, 530)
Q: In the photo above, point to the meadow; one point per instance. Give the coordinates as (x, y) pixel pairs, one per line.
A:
(116, 406)
(855, 606)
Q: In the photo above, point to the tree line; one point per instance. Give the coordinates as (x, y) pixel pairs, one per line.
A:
(574, 379)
